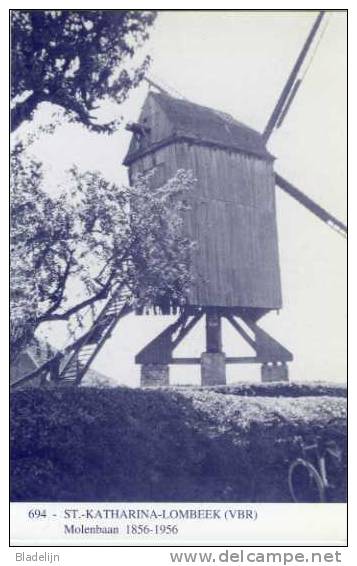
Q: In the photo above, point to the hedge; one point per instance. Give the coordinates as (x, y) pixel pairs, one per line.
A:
(123, 444)
(290, 389)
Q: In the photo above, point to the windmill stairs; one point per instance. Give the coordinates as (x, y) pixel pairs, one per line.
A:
(68, 367)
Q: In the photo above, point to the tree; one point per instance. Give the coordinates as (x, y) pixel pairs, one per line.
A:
(75, 59)
(94, 235)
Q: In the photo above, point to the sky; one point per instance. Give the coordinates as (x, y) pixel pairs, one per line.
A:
(238, 62)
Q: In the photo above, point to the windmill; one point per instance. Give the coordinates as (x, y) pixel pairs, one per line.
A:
(232, 218)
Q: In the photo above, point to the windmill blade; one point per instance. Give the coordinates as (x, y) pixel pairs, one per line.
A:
(290, 83)
(312, 206)
(289, 102)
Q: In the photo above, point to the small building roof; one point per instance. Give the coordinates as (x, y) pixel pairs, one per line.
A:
(36, 353)
(200, 124)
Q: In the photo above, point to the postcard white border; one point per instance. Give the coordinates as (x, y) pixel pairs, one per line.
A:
(134, 554)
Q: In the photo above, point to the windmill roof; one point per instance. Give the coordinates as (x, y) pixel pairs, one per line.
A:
(206, 125)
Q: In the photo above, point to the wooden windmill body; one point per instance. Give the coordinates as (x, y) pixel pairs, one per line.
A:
(232, 220)
(232, 216)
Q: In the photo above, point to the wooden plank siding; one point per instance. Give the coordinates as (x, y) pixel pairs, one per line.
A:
(233, 221)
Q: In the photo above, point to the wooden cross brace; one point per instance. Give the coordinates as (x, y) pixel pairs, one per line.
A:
(267, 348)
(160, 349)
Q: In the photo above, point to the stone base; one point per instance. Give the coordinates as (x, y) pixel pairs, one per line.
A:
(154, 375)
(274, 372)
(213, 368)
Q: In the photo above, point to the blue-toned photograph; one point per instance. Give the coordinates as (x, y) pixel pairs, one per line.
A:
(178, 286)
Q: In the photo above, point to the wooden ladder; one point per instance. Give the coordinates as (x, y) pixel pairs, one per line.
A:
(76, 364)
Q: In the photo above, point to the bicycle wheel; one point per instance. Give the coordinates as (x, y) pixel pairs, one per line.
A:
(305, 483)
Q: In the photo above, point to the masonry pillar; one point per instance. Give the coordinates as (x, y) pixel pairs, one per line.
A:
(213, 361)
(274, 371)
(154, 375)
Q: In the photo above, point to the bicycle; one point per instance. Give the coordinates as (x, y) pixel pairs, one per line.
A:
(309, 476)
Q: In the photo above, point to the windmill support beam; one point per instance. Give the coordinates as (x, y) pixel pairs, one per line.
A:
(213, 361)
(157, 356)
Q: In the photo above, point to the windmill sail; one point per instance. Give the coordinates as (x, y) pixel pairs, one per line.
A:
(276, 119)
(311, 205)
(291, 82)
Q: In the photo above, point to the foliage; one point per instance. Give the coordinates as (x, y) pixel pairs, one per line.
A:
(289, 389)
(75, 59)
(95, 235)
(163, 445)
(94, 378)
(260, 409)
